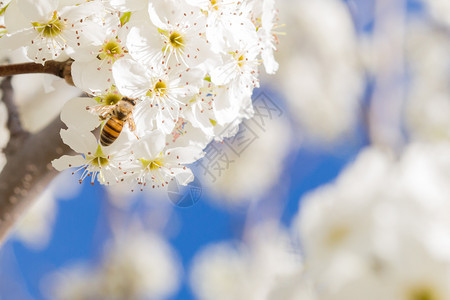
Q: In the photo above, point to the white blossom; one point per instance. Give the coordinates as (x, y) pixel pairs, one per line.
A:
(173, 35)
(253, 269)
(228, 22)
(134, 266)
(96, 162)
(75, 110)
(439, 10)
(34, 228)
(321, 75)
(139, 266)
(156, 165)
(242, 181)
(428, 103)
(75, 283)
(47, 28)
(381, 215)
(264, 18)
(164, 92)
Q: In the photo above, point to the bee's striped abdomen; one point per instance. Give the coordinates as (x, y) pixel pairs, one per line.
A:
(111, 131)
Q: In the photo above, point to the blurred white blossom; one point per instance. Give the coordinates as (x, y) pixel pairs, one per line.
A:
(428, 102)
(258, 268)
(136, 265)
(75, 283)
(381, 231)
(320, 72)
(439, 10)
(139, 266)
(257, 168)
(35, 227)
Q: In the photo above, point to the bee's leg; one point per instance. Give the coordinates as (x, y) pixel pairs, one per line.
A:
(132, 124)
(104, 116)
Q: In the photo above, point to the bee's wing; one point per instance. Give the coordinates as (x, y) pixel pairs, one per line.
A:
(131, 123)
(103, 111)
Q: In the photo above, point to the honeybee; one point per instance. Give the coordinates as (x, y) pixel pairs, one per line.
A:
(116, 115)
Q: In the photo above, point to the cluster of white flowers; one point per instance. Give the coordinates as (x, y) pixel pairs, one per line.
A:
(187, 69)
(138, 266)
(382, 230)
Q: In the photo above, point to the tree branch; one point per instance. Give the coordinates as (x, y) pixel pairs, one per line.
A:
(17, 133)
(58, 68)
(28, 169)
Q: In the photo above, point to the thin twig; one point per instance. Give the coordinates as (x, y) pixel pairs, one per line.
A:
(58, 68)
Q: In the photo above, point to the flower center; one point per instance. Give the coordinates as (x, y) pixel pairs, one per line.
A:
(152, 165)
(214, 4)
(423, 293)
(99, 159)
(111, 50)
(241, 61)
(176, 40)
(240, 58)
(337, 235)
(159, 89)
(112, 99)
(50, 29)
(160, 86)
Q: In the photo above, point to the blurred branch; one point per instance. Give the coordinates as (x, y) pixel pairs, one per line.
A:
(28, 168)
(58, 68)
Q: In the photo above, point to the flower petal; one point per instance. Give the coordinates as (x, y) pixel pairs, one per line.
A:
(183, 175)
(184, 155)
(81, 142)
(151, 145)
(145, 45)
(130, 78)
(92, 76)
(75, 110)
(38, 10)
(14, 20)
(68, 161)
